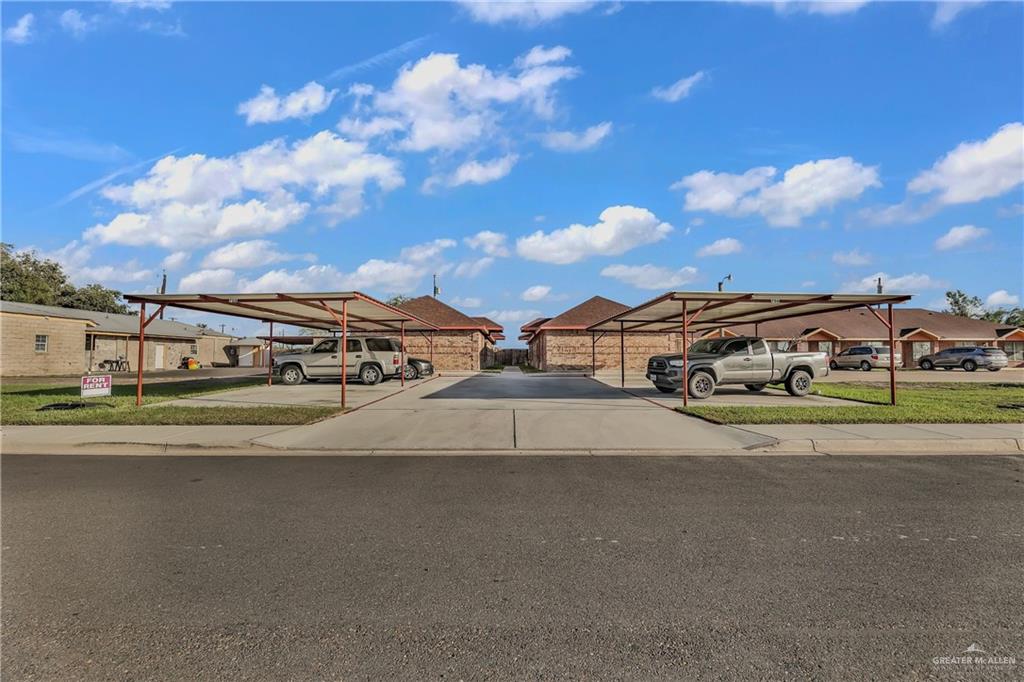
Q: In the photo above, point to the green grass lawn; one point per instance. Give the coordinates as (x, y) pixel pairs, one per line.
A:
(916, 404)
(19, 404)
(529, 369)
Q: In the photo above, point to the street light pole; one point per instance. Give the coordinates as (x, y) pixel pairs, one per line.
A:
(721, 283)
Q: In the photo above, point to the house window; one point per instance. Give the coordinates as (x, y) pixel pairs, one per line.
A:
(825, 347)
(42, 341)
(782, 346)
(193, 349)
(90, 342)
(1014, 350)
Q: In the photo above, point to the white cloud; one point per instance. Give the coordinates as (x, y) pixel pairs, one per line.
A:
(21, 32)
(852, 258)
(948, 10)
(76, 24)
(427, 252)
(1001, 299)
(538, 292)
(158, 5)
(959, 236)
(473, 268)
(721, 247)
(523, 12)
(568, 141)
(79, 262)
(441, 105)
(491, 243)
(220, 280)
(620, 229)
(474, 173)
(374, 274)
(512, 318)
(466, 302)
(824, 7)
(911, 283)
(540, 55)
(680, 89)
(175, 261)
(803, 190)
(267, 107)
(651, 276)
(248, 254)
(808, 283)
(200, 200)
(976, 170)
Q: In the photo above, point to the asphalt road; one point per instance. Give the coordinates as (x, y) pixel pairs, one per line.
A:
(499, 567)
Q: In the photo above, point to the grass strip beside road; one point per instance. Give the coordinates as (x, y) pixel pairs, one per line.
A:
(916, 404)
(19, 404)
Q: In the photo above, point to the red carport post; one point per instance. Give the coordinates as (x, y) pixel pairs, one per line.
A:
(431, 339)
(402, 357)
(622, 355)
(686, 366)
(270, 359)
(142, 357)
(892, 359)
(344, 352)
(593, 354)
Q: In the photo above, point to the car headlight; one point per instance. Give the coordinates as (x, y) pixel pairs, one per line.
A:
(676, 363)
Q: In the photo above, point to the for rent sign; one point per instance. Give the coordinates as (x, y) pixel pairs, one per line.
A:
(96, 385)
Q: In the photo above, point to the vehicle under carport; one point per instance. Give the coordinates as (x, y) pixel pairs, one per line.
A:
(690, 312)
(336, 312)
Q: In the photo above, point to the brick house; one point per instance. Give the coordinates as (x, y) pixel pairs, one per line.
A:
(918, 332)
(39, 340)
(461, 343)
(562, 343)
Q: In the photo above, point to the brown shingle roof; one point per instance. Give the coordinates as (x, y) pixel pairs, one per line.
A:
(589, 312)
(534, 323)
(488, 323)
(860, 325)
(441, 314)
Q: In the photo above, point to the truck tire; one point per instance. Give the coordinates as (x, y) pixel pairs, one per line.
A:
(291, 375)
(798, 383)
(755, 387)
(370, 375)
(701, 385)
(665, 389)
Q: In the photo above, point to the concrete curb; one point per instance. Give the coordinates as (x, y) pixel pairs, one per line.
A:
(984, 446)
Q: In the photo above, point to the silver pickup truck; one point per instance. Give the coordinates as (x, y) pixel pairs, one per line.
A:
(743, 360)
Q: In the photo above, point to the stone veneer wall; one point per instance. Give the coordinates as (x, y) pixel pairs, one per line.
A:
(454, 350)
(65, 345)
(571, 350)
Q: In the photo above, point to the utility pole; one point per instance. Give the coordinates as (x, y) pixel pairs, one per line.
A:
(437, 289)
(878, 286)
(721, 283)
(163, 290)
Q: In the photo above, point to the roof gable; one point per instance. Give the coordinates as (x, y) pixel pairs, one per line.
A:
(591, 311)
(440, 314)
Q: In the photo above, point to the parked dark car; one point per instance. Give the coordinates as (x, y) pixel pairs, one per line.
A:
(417, 367)
(968, 358)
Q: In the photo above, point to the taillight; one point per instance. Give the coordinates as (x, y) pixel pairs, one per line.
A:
(395, 360)
(874, 357)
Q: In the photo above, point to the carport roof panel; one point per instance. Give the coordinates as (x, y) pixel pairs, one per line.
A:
(730, 308)
(365, 313)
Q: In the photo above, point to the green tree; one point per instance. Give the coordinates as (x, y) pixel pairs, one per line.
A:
(959, 303)
(398, 300)
(26, 278)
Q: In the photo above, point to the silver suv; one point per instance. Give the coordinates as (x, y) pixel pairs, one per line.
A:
(371, 359)
(969, 358)
(863, 357)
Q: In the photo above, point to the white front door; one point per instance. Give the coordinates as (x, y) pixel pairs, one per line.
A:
(159, 362)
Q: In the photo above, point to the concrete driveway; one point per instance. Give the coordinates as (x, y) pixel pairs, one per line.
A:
(512, 410)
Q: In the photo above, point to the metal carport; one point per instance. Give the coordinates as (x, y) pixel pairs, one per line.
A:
(332, 311)
(700, 311)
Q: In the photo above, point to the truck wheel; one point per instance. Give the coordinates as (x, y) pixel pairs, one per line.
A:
(291, 375)
(970, 365)
(927, 365)
(865, 366)
(755, 387)
(665, 389)
(370, 375)
(702, 385)
(799, 383)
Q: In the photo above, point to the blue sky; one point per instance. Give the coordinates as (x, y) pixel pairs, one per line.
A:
(531, 155)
